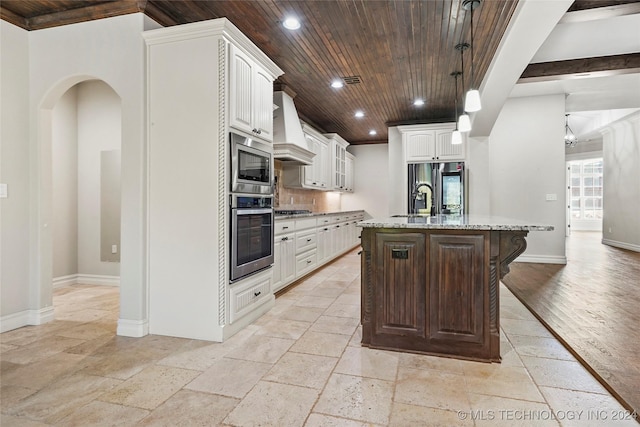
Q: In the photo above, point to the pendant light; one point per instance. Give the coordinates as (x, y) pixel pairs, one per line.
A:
(472, 100)
(570, 138)
(464, 122)
(456, 136)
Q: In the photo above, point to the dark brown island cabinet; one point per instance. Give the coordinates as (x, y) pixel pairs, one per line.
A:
(430, 284)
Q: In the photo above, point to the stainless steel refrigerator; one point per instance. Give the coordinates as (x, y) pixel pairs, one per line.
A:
(437, 188)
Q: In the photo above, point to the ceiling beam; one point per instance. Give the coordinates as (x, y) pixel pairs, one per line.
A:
(584, 67)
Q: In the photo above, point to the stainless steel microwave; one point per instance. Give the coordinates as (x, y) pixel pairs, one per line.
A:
(251, 166)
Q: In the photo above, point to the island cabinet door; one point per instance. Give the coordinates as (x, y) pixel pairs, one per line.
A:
(457, 287)
(399, 275)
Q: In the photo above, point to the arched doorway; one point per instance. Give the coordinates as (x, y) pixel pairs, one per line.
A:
(79, 134)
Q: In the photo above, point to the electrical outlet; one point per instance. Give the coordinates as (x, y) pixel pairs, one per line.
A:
(3, 191)
(114, 249)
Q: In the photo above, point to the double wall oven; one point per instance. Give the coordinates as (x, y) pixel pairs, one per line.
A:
(251, 205)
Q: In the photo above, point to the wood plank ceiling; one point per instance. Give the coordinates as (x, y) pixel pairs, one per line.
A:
(398, 50)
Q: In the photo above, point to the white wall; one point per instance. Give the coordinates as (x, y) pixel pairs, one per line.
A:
(14, 167)
(64, 156)
(370, 181)
(621, 180)
(397, 177)
(526, 161)
(111, 50)
(99, 129)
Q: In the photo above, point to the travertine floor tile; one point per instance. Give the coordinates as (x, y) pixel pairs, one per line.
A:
(40, 350)
(55, 402)
(86, 331)
(307, 314)
(499, 411)
(335, 325)
(366, 362)
(431, 388)
(261, 349)
(37, 375)
(320, 420)
(580, 409)
(102, 414)
(343, 310)
(151, 387)
(403, 415)
(311, 301)
(230, 377)
(423, 361)
(9, 420)
(199, 355)
(191, 408)
(321, 343)
(282, 328)
(562, 374)
(11, 394)
(524, 327)
(540, 347)
(273, 404)
(307, 370)
(357, 398)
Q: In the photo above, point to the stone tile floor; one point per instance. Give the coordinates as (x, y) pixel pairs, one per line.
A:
(300, 364)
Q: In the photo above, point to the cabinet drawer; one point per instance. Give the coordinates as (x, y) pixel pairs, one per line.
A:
(284, 226)
(305, 223)
(305, 240)
(306, 262)
(244, 297)
(323, 220)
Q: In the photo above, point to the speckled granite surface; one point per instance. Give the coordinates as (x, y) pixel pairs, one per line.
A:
(453, 222)
(303, 215)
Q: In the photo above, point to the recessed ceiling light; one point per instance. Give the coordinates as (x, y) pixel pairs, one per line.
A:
(359, 114)
(291, 23)
(373, 132)
(337, 84)
(418, 102)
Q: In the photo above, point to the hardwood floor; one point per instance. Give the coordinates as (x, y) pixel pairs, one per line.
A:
(592, 305)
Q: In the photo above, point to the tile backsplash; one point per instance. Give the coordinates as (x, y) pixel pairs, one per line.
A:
(297, 198)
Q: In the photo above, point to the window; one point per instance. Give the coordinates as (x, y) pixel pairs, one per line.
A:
(586, 189)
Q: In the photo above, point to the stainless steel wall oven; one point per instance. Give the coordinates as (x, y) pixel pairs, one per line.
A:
(251, 234)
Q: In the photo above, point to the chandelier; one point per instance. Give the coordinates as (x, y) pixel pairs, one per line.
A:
(570, 138)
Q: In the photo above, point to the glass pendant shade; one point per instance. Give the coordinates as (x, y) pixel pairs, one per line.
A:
(464, 123)
(472, 101)
(456, 137)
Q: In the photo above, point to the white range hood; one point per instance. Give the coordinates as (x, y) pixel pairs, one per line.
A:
(289, 143)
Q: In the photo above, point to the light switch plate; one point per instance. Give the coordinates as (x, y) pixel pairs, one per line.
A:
(551, 197)
(3, 191)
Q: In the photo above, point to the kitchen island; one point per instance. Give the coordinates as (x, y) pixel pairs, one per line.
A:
(430, 283)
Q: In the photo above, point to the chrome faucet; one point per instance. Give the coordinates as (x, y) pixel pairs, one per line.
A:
(416, 193)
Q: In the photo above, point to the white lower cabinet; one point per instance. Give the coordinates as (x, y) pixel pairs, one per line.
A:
(304, 244)
(247, 295)
(284, 268)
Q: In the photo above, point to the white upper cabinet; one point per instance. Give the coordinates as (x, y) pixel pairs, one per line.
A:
(316, 176)
(349, 172)
(431, 143)
(250, 96)
(338, 161)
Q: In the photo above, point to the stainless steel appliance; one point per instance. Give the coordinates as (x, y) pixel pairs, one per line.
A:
(437, 188)
(251, 166)
(251, 234)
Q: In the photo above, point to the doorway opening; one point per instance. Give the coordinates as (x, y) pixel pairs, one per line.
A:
(584, 195)
(85, 135)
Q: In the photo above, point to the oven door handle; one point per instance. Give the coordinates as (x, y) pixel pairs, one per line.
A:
(252, 211)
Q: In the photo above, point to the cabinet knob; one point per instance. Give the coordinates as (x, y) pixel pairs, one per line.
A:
(326, 229)
(257, 293)
(308, 240)
(284, 228)
(309, 261)
(285, 238)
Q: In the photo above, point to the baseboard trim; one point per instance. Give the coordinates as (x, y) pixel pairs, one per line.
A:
(132, 328)
(621, 245)
(25, 318)
(542, 259)
(86, 279)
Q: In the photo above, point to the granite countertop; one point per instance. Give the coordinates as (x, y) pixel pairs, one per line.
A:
(311, 214)
(453, 222)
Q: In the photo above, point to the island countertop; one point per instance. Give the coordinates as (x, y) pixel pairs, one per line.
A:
(453, 222)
